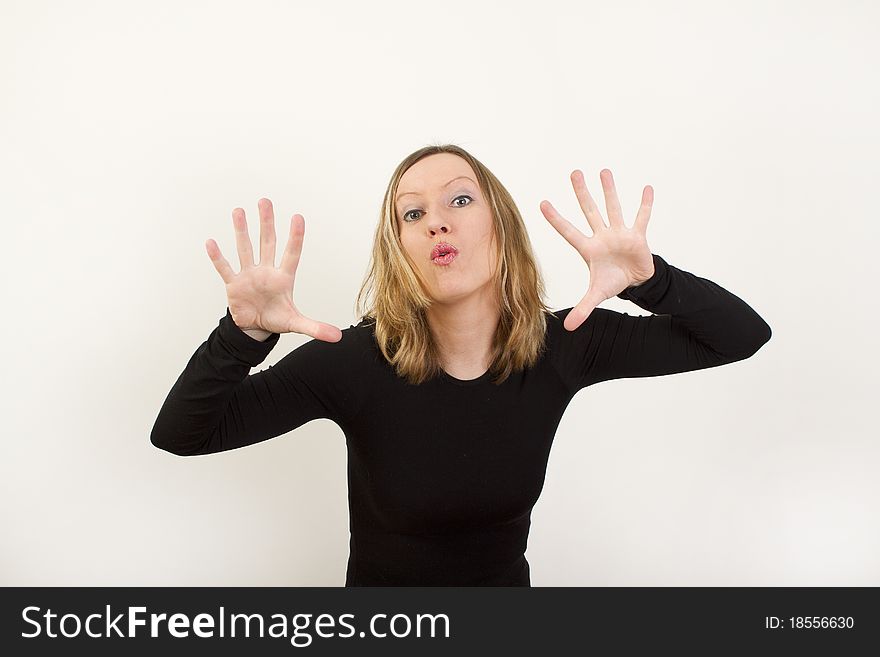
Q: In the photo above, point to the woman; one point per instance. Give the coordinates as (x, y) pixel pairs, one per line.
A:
(450, 389)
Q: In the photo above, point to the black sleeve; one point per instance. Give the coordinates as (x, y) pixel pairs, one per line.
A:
(696, 324)
(216, 405)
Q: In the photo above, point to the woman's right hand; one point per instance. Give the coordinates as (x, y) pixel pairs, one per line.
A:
(261, 296)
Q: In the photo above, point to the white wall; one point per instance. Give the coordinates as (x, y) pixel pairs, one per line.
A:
(129, 131)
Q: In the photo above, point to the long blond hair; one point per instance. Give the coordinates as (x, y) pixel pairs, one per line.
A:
(399, 299)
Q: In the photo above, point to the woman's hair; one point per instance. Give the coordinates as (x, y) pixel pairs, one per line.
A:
(400, 298)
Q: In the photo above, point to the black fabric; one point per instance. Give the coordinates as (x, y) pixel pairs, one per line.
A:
(443, 476)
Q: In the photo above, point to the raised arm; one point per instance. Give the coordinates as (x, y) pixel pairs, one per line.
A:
(696, 324)
(215, 405)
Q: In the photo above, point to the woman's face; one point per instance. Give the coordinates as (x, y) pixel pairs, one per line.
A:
(439, 202)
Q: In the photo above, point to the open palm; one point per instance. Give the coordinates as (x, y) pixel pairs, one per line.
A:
(617, 257)
(261, 296)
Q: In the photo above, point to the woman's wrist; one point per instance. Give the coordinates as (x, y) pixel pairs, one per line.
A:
(257, 334)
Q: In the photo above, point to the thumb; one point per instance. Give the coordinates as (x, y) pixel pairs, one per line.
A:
(316, 329)
(580, 312)
(328, 332)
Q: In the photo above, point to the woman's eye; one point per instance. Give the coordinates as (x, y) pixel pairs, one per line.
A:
(406, 214)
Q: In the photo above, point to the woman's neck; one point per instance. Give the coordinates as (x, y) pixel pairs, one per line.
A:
(464, 331)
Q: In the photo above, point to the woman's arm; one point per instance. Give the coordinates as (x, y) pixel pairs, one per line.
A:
(215, 405)
(696, 324)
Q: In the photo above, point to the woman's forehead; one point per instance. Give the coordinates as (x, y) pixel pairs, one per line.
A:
(433, 172)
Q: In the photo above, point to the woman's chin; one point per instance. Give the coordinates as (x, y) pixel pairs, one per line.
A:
(450, 295)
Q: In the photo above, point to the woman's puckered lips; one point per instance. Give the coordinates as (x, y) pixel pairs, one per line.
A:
(441, 248)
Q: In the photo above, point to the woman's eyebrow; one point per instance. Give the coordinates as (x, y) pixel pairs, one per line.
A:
(446, 185)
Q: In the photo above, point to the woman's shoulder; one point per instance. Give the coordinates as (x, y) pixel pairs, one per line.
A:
(325, 360)
(560, 338)
(555, 319)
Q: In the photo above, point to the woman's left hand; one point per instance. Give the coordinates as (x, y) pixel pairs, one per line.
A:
(617, 257)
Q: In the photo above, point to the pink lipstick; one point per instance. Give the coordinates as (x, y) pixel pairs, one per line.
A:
(443, 253)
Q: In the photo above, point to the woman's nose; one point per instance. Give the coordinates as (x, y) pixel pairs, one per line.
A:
(438, 224)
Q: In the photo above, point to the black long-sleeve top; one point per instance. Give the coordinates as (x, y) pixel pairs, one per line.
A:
(442, 476)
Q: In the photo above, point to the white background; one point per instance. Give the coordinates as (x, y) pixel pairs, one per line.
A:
(130, 130)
